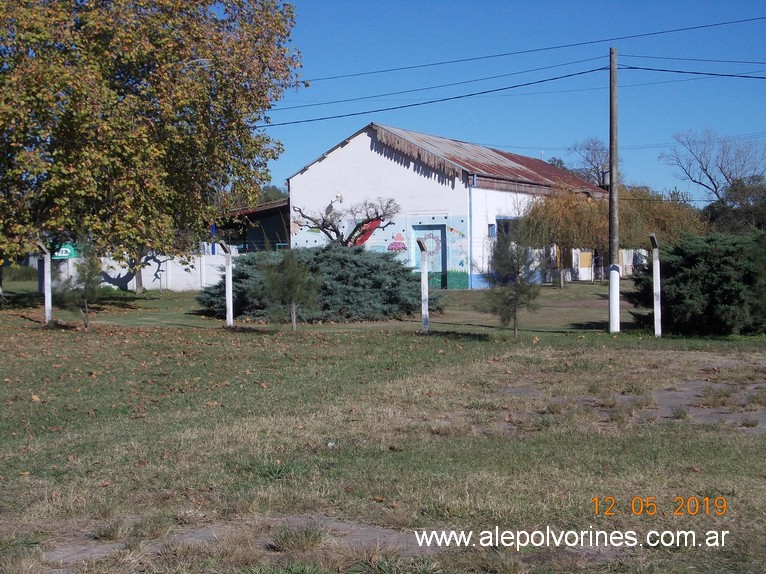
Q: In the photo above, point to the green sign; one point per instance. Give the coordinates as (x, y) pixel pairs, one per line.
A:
(66, 251)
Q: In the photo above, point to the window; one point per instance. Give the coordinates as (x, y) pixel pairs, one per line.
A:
(508, 225)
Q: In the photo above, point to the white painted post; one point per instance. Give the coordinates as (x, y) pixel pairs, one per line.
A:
(656, 285)
(47, 289)
(424, 284)
(614, 298)
(229, 289)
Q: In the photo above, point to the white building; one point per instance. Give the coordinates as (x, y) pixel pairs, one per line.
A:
(452, 194)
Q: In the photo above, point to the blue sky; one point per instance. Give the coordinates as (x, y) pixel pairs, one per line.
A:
(342, 37)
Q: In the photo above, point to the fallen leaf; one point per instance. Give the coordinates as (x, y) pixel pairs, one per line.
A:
(378, 498)
(35, 399)
(104, 483)
(72, 458)
(24, 473)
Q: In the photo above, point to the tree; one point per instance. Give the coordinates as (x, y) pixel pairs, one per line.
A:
(741, 209)
(711, 285)
(138, 122)
(272, 193)
(644, 211)
(568, 220)
(594, 162)
(715, 163)
(559, 163)
(288, 284)
(514, 276)
(80, 291)
(367, 216)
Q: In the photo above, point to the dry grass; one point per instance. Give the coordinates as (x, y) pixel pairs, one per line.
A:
(140, 432)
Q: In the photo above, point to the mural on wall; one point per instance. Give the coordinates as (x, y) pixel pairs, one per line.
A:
(460, 262)
(445, 237)
(366, 231)
(397, 245)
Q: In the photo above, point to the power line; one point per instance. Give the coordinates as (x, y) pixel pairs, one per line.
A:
(429, 102)
(693, 59)
(739, 137)
(535, 50)
(710, 74)
(415, 90)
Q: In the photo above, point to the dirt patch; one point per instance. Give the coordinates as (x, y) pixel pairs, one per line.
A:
(78, 546)
(700, 402)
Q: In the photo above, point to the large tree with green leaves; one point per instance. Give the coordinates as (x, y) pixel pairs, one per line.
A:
(135, 122)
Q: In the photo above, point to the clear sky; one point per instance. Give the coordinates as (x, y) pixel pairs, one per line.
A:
(345, 37)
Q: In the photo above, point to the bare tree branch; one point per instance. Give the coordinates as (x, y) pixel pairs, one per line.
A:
(364, 215)
(715, 163)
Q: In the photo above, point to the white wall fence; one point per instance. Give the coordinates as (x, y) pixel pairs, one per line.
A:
(159, 272)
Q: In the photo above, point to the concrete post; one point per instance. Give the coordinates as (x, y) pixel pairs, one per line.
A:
(656, 285)
(228, 285)
(47, 286)
(424, 284)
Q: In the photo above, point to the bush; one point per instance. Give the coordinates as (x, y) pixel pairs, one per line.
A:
(354, 285)
(19, 273)
(710, 285)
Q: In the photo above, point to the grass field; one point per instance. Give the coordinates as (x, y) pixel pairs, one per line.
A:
(159, 421)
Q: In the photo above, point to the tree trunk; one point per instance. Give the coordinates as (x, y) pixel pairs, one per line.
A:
(515, 322)
(139, 281)
(136, 268)
(293, 316)
(85, 316)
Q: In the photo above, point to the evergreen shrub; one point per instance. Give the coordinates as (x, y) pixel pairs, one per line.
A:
(710, 285)
(353, 285)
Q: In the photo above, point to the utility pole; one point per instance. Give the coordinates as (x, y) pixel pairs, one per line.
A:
(614, 220)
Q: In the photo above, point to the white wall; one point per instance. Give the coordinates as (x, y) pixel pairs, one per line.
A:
(363, 169)
(160, 272)
(487, 206)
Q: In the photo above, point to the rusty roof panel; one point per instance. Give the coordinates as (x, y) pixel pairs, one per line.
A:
(480, 160)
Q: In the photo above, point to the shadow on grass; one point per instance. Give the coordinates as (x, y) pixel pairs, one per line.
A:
(603, 326)
(21, 300)
(454, 335)
(590, 326)
(250, 330)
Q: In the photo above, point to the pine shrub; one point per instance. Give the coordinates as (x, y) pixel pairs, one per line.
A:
(710, 285)
(353, 285)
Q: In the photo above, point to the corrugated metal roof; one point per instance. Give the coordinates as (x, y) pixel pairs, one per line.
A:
(479, 160)
(260, 208)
